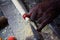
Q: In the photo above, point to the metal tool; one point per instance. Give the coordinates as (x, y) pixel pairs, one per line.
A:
(19, 5)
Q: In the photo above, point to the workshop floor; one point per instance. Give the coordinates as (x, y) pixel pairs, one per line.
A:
(17, 24)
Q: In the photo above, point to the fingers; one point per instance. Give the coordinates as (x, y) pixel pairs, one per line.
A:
(41, 19)
(33, 16)
(33, 13)
(45, 19)
(46, 14)
(43, 24)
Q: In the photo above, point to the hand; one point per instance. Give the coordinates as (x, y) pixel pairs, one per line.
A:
(44, 13)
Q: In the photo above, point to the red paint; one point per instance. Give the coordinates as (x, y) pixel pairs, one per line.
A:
(11, 38)
(26, 15)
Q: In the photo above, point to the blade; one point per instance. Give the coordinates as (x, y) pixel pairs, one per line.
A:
(22, 10)
(37, 35)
